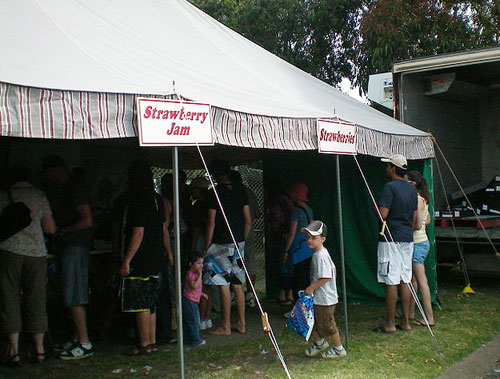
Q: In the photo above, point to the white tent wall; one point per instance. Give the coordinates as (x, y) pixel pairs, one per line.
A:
(71, 70)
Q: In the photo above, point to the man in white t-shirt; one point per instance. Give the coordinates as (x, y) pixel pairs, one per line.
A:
(324, 289)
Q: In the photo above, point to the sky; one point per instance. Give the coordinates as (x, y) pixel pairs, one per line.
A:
(345, 86)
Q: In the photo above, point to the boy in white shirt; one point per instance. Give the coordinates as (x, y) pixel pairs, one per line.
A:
(324, 288)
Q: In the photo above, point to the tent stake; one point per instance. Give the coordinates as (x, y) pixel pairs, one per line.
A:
(177, 233)
(342, 256)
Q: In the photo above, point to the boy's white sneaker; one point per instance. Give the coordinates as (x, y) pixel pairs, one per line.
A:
(315, 349)
(334, 353)
(209, 323)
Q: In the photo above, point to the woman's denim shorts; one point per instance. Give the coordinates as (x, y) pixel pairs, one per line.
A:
(420, 251)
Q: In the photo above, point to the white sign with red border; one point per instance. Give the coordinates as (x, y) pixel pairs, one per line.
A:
(336, 137)
(173, 123)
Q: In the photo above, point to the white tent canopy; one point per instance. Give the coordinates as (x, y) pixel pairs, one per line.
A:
(71, 69)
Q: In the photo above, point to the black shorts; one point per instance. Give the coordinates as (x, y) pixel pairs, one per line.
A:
(139, 294)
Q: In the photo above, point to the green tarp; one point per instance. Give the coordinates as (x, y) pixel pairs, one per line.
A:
(361, 227)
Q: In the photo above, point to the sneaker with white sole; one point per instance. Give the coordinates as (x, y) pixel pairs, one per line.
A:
(64, 346)
(315, 349)
(203, 342)
(77, 352)
(334, 353)
(206, 324)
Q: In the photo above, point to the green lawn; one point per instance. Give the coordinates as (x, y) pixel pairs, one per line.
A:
(463, 325)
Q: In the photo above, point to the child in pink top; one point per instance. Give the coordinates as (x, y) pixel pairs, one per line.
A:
(190, 299)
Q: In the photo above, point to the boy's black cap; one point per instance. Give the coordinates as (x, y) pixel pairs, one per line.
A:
(316, 228)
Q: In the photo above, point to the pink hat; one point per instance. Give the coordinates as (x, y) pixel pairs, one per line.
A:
(298, 191)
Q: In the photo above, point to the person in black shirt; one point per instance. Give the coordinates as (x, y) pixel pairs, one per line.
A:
(223, 266)
(144, 255)
(397, 206)
(69, 201)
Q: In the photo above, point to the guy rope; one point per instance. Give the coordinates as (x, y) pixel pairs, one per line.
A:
(266, 326)
(409, 284)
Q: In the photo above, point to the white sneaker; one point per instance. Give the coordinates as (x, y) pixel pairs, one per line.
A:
(250, 300)
(334, 353)
(315, 349)
(206, 324)
(65, 346)
(78, 352)
(203, 342)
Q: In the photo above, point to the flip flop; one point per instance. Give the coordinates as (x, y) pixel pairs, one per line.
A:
(235, 329)
(399, 327)
(43, 359)
(422, 323)
(140, 350)
(10, 362)
(219, 332)
(381, 329)
(153, 347)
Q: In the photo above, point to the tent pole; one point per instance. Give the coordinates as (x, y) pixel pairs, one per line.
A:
(177, 233)
(342, 256)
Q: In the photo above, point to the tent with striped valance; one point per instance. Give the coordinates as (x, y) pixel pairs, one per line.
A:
(71, 70)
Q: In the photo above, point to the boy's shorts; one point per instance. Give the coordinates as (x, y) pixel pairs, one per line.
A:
(324, 322)
(139, 294)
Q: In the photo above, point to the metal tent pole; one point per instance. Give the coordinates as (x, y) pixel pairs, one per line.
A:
(178, 275)
(342, 256)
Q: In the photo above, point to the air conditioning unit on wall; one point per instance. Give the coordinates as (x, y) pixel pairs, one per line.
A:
(380, 89)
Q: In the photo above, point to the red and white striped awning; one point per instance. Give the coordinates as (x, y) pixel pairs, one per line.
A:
(53, 114)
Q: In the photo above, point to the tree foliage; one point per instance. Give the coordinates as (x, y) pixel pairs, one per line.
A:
(333, 39)
(395, 30)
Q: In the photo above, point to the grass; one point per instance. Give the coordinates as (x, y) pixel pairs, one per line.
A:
(463, 325)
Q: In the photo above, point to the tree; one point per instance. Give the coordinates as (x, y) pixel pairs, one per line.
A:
(395, 30)
(333, 39)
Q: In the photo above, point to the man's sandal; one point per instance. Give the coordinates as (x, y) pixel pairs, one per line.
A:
(44, 358)
(10, 362)
(382, 329)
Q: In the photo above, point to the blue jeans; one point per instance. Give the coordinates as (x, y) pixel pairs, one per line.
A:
(191, 322)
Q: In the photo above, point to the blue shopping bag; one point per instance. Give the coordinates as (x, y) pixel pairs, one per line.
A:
(299, 251)
(301, 319)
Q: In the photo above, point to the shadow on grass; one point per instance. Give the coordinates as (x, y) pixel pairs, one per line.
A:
(462, 326)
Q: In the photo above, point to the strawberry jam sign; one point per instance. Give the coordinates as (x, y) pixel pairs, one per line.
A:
(336, 137)
(173, 123)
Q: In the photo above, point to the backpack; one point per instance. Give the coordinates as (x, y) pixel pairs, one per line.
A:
(14, 217)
